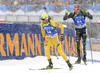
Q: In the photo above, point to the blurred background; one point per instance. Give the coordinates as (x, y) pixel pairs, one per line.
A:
(52, 5)
(24, 16)
(29, 11)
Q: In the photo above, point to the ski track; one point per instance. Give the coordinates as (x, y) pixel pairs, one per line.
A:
(20, 66)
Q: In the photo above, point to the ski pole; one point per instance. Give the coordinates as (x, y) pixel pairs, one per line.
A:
(44, 8)
(70, 47)
(90, 43)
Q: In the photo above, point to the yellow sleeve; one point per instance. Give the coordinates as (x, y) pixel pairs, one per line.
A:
(56, 24)
(61, 27)
(42, 30)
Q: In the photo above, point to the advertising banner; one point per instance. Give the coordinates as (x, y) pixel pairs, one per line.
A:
(18, 41)
(95, 44)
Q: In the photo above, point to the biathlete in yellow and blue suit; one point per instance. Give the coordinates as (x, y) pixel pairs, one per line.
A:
(50, 37)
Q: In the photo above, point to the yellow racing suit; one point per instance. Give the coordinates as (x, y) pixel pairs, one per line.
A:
(49, 32)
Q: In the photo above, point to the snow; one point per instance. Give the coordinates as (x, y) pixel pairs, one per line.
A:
(21, 66)
(53, 13)
(40, 12)
(9, 13)
(62, 12)
(92, 12)
(31, 13)
(1, 12)
(19, 12)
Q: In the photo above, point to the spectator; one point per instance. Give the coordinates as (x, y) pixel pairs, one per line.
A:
(71, 1)
(30, 2)
(0, 2)
(8, 2)
(94, 4)
(47, 3)
(16, 2)
(97, 1)
(67, 2)
(60, 2)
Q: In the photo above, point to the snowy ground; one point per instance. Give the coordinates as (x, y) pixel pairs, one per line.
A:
(21, 66)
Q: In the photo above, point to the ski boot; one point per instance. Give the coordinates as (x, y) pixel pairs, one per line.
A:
(78, 60)
(69, 65)
(84, 59)
(50, 66)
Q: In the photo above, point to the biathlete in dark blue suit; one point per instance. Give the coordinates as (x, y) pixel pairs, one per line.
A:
(78, 17)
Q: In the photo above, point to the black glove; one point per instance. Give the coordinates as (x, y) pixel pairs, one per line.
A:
(44, 39)
(61, 38)
(87, 12)
(65, 17)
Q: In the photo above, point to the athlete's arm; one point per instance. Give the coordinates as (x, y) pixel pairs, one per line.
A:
(67, 16)
(42, 30)
(87, 14)
(61, 27)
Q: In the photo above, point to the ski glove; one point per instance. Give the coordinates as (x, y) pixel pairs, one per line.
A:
(87, 12)
(61, 38)
(44, 39)
(67, 11)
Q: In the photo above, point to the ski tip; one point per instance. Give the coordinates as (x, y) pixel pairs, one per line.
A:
(31, 69)
(70, 69)
(44, 68)
(79, 63)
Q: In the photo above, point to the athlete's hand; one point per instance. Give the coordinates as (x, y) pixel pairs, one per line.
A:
(67, 11)
(87, 12)
(65, 16)
(44, 39)
(61, 38)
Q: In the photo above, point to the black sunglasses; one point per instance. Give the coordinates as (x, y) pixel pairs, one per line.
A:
(42, 19)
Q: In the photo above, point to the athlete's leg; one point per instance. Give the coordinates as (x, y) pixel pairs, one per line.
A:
(58, 46)
(78, 37)
(47, 45)
(84, 38)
